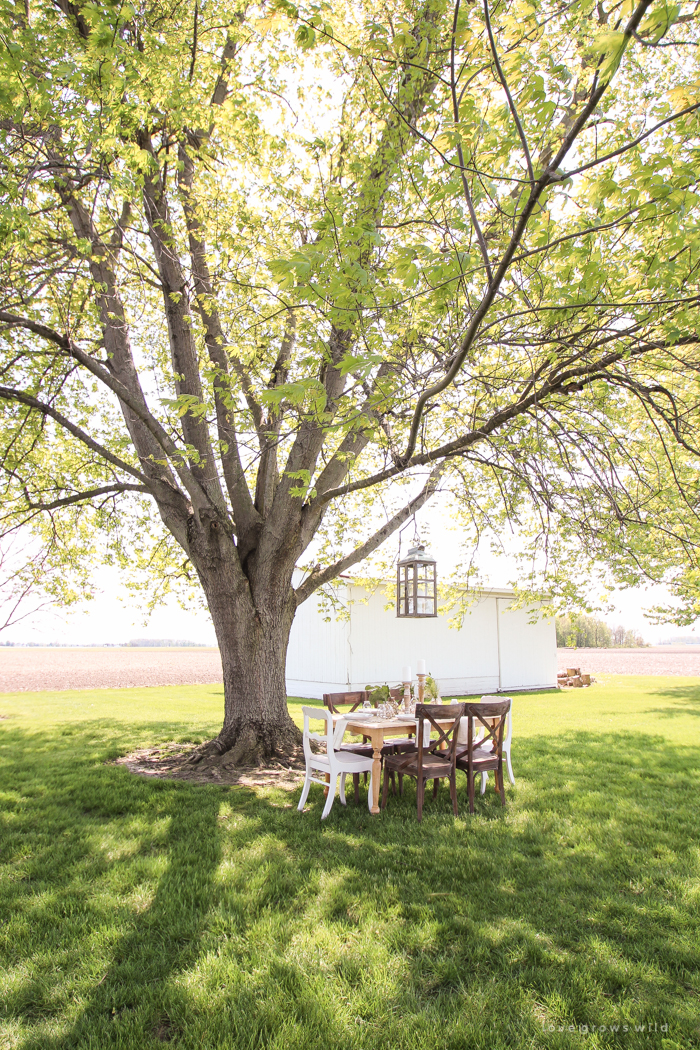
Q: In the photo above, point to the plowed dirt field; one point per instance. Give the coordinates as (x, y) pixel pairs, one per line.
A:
(656, 660)
(34, 669)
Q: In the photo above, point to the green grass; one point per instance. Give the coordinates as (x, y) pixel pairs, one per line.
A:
(136, 911)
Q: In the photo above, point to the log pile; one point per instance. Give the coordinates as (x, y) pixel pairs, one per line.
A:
(572, 677)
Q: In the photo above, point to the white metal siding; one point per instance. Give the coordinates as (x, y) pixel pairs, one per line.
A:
(528, 650)
(317, 653)
(462, 660)
(496, 648)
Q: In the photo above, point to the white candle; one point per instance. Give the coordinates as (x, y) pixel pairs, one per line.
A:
(406, 674)
(421, 667)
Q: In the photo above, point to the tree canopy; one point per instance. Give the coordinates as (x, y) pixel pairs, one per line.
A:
(289, 270)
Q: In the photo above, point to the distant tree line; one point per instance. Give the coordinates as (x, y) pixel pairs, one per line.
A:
(581, 631)
(171, 643)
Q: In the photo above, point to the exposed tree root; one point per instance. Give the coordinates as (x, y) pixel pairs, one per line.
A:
(205, 765)
(249, 743)
(253, 756)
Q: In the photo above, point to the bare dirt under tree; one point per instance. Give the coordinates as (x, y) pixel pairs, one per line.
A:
(178, 761)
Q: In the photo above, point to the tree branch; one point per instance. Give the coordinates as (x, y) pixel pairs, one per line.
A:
(74, 15)
(243, 510)
(48, 410)
(267, 479)
(80, 497)
(511, 103)
(177, 311)
(165, 445)
(120, 365)
(583, 375)
(504, 265)
(628, 145)
(414, 91)
(318, 578)
(483, 248)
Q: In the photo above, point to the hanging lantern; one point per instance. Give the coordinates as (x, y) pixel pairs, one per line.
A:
(416, 584)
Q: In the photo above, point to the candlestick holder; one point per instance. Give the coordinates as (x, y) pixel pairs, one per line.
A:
(407, 697)
(421, 688)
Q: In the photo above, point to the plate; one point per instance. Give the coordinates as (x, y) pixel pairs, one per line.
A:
(406, 718)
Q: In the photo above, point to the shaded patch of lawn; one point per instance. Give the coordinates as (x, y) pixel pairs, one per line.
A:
(139, 912)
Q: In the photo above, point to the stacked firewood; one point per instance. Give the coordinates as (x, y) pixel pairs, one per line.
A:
(572, 677)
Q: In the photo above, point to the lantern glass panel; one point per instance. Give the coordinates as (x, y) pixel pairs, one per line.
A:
(416, 585)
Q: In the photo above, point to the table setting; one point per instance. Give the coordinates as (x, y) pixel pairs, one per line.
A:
(390, 718)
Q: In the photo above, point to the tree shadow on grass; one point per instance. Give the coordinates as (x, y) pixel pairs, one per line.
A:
(684, 700)
(103, 853)
(569, 907)
(223, 918)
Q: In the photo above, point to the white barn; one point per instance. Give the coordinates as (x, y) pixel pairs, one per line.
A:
(496, 649)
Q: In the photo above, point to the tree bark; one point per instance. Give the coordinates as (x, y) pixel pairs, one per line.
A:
(252, 619)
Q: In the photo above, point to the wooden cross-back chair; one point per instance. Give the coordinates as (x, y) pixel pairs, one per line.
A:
(431, 759)
(334, 701)
(483, 753)
(507, 740)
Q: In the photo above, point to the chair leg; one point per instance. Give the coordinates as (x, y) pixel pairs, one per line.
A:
(305, 791)
(484, 779)
(331, 795)
(342, 789)
(385, 788)
(436, 785)
(453, 793)
(510, 768)
(369, 792)
(471, 791)
(356, 786)
(502, 786)
(393, 782)
(400, 783)
(420, 791)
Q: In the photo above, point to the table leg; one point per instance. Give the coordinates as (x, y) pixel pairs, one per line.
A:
(376, 777)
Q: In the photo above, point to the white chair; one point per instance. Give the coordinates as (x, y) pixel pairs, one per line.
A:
(507, 736)
(335, 763)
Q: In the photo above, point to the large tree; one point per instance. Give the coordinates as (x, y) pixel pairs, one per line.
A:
(278, 273)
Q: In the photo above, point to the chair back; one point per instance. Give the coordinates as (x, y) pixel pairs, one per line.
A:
(332, 737)
(320, 714)
(489, 718)
(334, 701)
(508, 731)
(428, 717)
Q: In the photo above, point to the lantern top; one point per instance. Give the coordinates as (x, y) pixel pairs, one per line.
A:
(418, 555)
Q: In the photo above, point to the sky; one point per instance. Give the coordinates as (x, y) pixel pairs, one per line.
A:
(111, 618)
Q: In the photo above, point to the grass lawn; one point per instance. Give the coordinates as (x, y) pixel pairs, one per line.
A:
(136, 912)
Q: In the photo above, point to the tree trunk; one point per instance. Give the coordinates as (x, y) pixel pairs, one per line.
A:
(253, 635)
(257, 725)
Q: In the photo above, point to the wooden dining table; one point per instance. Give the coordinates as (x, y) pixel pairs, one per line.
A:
(377, 731)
